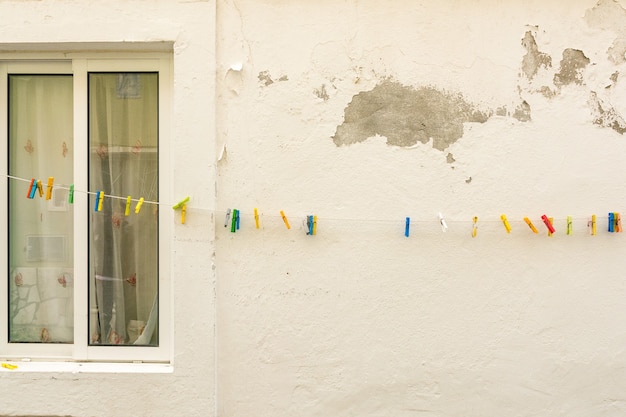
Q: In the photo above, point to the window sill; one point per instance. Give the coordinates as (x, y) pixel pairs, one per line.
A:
(89, 367)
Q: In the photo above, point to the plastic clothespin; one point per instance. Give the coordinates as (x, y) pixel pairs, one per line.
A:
(591, 224)
(138, 206)
(30, 188)
(183, 211)
(237, 219)
(256, 217)
(181, 203)
(611, 222)
(314, 225)
(531, 225)
(569, 225)
(618, 223)
(507, 226)
(407, 226)
(70, 197)
(551, 222)
(282, 214)
(309, 225)
(100, 200)
(548, 223)
(9, 366)
(40, 188)
(444, 226)
(475, 226)
(233, 223)
(227, 217)
(49, 188)
(95, 208)
(127, 209)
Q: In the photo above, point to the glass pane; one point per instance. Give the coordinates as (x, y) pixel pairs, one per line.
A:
(123, 161)
(41, 280)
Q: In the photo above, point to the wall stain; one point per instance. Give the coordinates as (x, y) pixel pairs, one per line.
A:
(266, 79)
(450, 158)
(534, 59)
(572, 64)
(321, 92)
(522, 112)
(605, 115)
(407, 115)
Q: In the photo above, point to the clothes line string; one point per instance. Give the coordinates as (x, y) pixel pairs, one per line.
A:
(277, 216)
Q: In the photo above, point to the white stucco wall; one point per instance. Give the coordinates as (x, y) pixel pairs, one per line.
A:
(361, 321)
(190, 26)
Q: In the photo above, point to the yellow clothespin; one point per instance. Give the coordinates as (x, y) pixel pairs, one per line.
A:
(101, 199)
(507, 226)
(282, 214)
(256, 217)
(314, 225)
(551, 220)
(127, 210)
(49, 189)
(592, 225)
(531, 225)
(475, 227)
(182, 213)
(569, 225)
(9, 366)
(138, 206)
(40, 188)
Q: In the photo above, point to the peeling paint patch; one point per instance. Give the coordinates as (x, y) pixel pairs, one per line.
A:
(321, 92)
(266, 79)
(573, 63)
(406, 115)
(522, 112)
(610, 15)
(605, 115)
(534, 59)
(450, 158)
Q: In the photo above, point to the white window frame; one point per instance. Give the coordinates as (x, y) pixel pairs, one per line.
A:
(79, 65)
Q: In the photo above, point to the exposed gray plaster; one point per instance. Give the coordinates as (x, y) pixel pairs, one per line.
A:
(605, 115)
(522, 112)
(406, 115)
(533, 60)
(573, 63)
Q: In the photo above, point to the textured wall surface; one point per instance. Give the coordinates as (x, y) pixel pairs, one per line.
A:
(366, 112)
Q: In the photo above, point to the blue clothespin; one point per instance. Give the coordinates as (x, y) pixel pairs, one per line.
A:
(310, 223)
(97, 201)
(611, 222)
(237, 221)
(407, 226)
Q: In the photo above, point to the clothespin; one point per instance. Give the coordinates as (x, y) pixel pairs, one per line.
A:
(569, 225)
(591, 224)
(548, 224)
(507, 226)
(127, 209)
(233, 223)
(309, 225)
(314, 225)
(70, 197)
(138, 206)
(256, 217)
(238, 217)
(30, 188)
(282, 214)
(183, 212)
(618, 223)
(611, 222)
(407, 226)
(444, 226)
(9, 366)
(100, 200)
(551, 221)
(181, 203)
(95, 208)
(39, 188)
(475, 226)
(531, 225)
(49, 188)
(227, 217)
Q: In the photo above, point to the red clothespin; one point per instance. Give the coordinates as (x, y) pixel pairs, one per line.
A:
(548, 224)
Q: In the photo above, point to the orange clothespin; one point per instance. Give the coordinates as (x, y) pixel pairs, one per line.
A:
(507, 226)
(282, 214)
(49, 188)
(31, 188)
(531, 225)
(618, 223)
